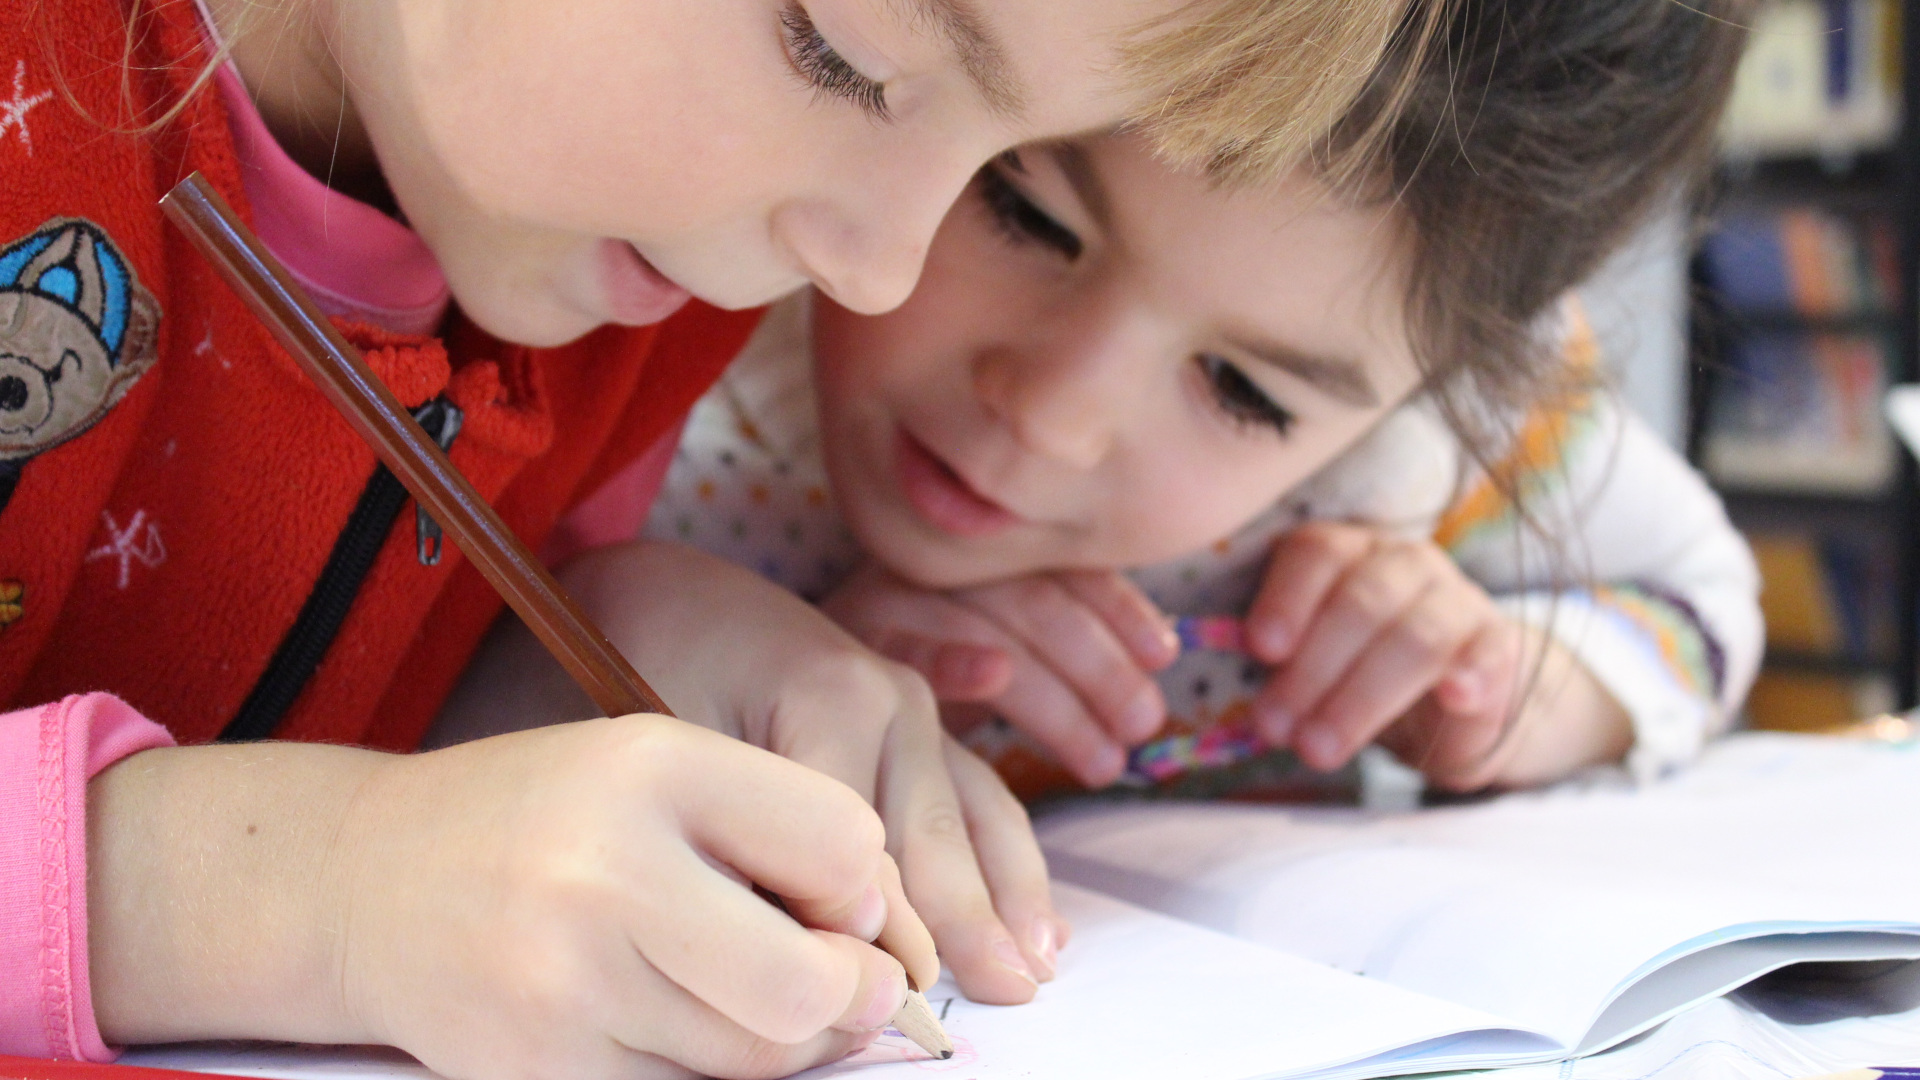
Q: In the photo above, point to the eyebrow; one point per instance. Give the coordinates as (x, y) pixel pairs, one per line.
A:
(980, 56)
(1342, 380)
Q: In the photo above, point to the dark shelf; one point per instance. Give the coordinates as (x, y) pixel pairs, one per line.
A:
(1827, 664)
(1790, 512)
(1749, 321)
(1862, 179)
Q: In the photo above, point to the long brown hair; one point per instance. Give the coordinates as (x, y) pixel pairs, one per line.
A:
(1531, 140)
(1524, 148)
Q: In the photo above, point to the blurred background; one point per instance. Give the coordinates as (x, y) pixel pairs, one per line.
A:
(1761, 331)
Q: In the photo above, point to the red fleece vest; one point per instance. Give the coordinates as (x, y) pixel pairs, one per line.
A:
(180, 484)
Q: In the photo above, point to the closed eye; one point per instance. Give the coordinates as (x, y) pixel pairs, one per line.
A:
(1240, 397)
(1021, 220)
(826, 70)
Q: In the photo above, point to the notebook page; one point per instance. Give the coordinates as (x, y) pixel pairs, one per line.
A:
(1140, 995)
(1536, 908)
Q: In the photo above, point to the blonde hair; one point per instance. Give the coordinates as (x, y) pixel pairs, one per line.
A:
(1243, 88)
(1248, 89)
(136, 117)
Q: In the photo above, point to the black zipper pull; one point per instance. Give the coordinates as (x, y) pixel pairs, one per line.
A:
(441, 419)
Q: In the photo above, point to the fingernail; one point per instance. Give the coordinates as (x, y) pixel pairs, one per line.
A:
(1009, 956)
(870, 917)
(1044, 948)
(1163, 644)
(1143, 715)
(1276, 723)
(1320, 747)
(1105, 765)
(886, 1001)
(1463, 688)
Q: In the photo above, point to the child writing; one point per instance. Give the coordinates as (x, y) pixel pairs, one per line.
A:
(503, 202)
(1110, 364)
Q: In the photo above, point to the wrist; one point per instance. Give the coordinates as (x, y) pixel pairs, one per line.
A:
(1569, 722)
(218, 892)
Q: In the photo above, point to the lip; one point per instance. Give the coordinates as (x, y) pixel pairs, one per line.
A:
(636, 294)
(942, 497)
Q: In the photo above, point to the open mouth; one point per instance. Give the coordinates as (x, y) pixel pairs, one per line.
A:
(636, 293)
(942, 497)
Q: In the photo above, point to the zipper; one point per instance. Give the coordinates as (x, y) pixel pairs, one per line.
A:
(354, 551)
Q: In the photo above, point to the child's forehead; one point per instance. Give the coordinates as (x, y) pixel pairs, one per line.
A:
(1128, 186)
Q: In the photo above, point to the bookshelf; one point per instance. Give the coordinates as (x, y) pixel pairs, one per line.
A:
(1804, 311)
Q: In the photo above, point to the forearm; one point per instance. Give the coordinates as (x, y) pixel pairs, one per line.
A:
(215, 887)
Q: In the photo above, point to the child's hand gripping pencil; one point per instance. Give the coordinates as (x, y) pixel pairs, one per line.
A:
(420, 464)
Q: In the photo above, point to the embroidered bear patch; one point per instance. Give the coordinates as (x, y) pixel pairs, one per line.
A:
(77, 330)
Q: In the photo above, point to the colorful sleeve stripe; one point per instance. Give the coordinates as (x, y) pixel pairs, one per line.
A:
(1674, 627)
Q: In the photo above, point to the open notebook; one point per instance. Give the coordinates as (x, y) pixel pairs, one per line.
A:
(1223, 942)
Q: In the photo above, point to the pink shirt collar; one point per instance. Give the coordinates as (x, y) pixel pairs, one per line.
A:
(356, 261)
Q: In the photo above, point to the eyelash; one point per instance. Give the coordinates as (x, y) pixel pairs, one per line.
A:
(1021, 221)
(826, 70)
(1240, 397)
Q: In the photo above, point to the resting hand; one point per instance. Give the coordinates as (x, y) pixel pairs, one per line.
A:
(1067, 657)
(1374, 638)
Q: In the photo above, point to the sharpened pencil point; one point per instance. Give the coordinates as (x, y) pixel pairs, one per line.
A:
(917, 1022)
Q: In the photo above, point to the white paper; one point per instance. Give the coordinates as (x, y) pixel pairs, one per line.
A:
(1141, 995)
(1535, 908)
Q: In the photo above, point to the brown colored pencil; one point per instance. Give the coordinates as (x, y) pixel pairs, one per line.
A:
(521, 579)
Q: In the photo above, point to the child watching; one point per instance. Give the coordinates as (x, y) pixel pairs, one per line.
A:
(1112, 364)
(520, 191)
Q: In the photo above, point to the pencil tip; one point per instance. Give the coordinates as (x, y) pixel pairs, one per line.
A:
(945, 1054)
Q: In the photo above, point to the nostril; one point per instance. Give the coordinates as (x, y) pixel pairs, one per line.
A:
(13, 393)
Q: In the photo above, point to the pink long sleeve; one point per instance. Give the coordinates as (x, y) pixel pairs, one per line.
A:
(47, 755)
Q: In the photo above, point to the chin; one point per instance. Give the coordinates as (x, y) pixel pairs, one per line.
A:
(541, 324)
(941, 563)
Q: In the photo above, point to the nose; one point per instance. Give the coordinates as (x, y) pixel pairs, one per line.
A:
(1065, 394)
(865, 246)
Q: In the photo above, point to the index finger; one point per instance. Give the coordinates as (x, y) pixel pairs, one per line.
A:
(795, 831)
(1305, 565)
(1127, 610)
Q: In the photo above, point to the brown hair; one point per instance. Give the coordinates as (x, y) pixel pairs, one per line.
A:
(1527, 144)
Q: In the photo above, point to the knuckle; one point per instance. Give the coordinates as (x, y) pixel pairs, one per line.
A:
(942, 822)
(1371, 596)
(1427, 633)
(849, 680)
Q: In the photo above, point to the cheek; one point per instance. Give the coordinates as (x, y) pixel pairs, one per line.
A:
(1186, 493)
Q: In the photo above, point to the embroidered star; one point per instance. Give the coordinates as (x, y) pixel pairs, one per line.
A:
(13, 113)
(139, 543)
